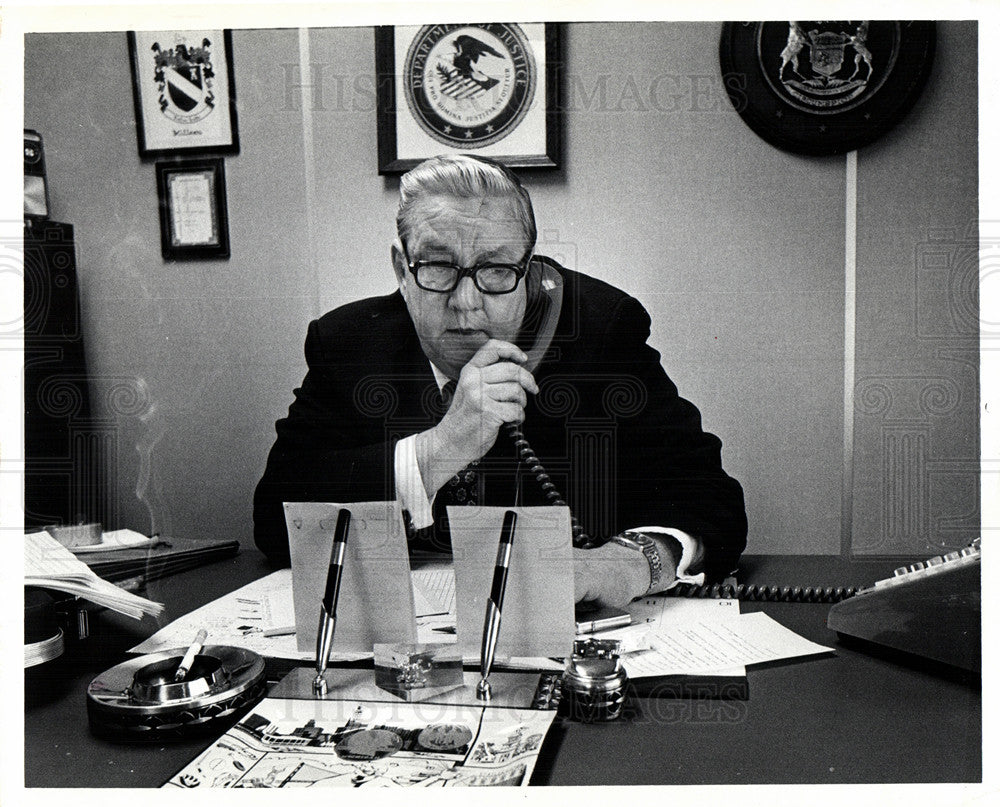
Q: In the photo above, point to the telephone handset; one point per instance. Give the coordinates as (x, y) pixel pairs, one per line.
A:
(541, 318)
(545, 295)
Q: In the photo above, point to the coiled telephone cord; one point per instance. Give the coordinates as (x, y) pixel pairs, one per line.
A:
(761, 593)
(718, 591)
(530, 459)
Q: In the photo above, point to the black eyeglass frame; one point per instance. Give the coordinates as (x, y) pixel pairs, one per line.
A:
(520, 269)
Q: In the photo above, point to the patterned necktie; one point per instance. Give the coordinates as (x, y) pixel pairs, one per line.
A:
(463, 488)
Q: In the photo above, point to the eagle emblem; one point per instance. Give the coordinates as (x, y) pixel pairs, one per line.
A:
(469, 86)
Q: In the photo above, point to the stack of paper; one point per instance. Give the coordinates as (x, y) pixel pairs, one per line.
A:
(124, 554)
(48, 564)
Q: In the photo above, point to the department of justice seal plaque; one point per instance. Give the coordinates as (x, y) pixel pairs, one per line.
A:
(468, 86)
(824, 86)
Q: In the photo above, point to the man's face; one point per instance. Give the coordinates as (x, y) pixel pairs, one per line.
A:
(466, 232)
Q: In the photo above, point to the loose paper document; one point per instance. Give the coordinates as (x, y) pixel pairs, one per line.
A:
(372, 606)
(117, 539)
(244, 617)
(289, 743)
(537, 614)
(707, 646)
(660, 613)
(240, 618)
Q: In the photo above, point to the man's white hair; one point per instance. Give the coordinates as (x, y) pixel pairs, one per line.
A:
(463, 176)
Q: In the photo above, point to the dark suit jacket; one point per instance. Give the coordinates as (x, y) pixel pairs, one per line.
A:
(618, 442)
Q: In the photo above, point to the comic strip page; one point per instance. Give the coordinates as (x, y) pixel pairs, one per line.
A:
(285, 743)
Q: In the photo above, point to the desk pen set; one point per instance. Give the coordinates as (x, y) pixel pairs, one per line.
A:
(414, 672)
(592, 687)
(201, 689)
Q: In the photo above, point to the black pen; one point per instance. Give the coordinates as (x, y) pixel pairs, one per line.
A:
(494, 605)
(328, 608)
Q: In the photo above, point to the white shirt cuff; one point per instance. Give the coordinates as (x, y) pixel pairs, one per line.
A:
(410, 491)
(691, 550)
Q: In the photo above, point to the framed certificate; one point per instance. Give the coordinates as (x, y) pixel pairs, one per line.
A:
(193, 219)
(185, 98)
(489, 89)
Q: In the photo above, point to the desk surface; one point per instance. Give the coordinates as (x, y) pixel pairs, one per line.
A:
(850, 718)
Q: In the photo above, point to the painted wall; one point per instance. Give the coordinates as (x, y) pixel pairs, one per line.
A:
(916, 392)
(736, 248)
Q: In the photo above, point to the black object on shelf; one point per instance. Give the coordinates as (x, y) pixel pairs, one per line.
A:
(36, 196)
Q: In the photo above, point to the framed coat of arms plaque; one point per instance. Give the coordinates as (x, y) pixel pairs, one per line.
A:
(185, 98)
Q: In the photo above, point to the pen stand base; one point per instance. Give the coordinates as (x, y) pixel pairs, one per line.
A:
(417, 672)
(520, 690)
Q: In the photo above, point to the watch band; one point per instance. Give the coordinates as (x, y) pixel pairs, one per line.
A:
(643, 543)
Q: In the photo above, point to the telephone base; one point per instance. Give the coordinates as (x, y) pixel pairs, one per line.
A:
(933, 611)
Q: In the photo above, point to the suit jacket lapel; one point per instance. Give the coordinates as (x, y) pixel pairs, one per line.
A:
(411, 376)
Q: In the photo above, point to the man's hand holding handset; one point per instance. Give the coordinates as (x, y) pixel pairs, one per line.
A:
(493, 390)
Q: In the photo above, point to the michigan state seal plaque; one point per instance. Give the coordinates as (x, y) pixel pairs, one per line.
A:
(824, 86)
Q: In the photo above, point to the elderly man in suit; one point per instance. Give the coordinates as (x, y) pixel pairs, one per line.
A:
(495, 376)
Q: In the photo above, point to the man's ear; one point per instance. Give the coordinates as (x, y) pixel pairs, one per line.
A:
(399, 267)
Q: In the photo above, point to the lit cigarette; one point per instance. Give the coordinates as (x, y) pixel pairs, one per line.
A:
(192, 651)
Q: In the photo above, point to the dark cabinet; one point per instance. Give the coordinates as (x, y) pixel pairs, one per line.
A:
(62, 480)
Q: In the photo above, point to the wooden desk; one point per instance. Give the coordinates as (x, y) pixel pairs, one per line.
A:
(849, 718)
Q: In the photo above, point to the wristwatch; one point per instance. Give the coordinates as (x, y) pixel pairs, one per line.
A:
(643, 543)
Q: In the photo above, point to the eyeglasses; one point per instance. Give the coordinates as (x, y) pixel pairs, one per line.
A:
(489, 278)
